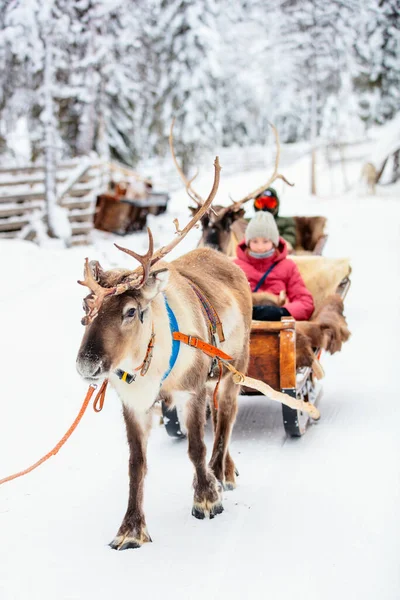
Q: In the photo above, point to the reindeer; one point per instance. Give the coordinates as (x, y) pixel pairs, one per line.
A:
(130, 338)
(369, 175)
(224, 227)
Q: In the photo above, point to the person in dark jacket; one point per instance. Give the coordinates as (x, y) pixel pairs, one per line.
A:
(268, 201)
(264, 251)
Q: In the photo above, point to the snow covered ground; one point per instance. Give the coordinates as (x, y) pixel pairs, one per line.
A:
(312, 518)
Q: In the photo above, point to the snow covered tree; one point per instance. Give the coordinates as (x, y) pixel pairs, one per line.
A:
(180, 42)
(123, 69)
(98, 91)
(376, 72)
(314, 43)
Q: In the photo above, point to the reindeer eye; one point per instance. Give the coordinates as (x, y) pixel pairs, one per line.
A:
(130, 313)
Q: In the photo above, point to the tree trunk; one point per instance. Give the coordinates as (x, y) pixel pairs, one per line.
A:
(396, 166)
(87, 126)
(57, 220)
(48, 124)
(313, 134)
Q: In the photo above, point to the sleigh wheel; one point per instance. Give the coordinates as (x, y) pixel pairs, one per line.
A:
(295, 421)
(173, 421)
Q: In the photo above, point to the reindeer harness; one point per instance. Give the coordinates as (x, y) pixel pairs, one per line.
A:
(211, 350)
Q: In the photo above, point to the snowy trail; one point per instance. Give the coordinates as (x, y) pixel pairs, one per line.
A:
(312, 518)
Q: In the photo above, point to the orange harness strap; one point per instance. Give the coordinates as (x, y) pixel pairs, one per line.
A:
(203, 346)
(207, 349)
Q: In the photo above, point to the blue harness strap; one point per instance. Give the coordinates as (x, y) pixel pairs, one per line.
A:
(173, 325)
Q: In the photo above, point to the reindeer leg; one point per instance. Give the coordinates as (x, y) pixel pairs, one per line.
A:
(207, 492)
(133, 531)
(221, 462)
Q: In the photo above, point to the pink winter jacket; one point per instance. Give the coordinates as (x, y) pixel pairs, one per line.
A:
(284, 276)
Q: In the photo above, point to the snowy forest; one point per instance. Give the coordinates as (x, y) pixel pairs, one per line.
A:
(109, 75)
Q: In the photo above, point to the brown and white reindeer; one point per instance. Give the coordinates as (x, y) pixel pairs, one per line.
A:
(131, 321)
(224, 227)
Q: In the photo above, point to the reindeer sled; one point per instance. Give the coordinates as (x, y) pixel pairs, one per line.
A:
(284, 355)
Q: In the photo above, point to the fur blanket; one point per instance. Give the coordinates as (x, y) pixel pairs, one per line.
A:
(308, 231)
(322, 275)
(327, 329)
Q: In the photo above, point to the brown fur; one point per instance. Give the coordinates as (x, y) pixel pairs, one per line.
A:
(327, 329)
(133, 525)
(114, 339)
(308, 232)
(268, 299)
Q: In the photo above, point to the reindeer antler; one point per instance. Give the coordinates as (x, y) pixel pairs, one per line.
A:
(187, 182)
(161, 252)
(145, 259)
(275, 175)
(99, 293)
(139, 276)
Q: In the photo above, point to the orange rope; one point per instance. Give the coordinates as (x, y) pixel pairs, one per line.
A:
(101, 395)
(98, 405)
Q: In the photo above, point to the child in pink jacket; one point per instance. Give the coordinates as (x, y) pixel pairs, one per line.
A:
(263, 258)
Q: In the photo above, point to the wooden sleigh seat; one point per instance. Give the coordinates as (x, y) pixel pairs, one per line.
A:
(273, 344)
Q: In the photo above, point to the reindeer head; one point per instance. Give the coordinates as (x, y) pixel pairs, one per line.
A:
(118, 317)
(216, 226)
(118, 309)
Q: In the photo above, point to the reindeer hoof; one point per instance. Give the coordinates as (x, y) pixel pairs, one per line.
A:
(229, 486)
(217, 509)
(125, 545)
(201, 511)
(198, 512)
(125, 542)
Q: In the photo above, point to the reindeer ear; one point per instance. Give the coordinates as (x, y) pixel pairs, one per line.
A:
(156, 283)
(193, 209)
(238, 214)
(97, 270)
(227, 220)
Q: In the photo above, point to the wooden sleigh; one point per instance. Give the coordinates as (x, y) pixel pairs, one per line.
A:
(273, 344)
(273, 348)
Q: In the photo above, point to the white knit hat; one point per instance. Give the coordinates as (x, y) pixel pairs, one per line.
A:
(262, 225)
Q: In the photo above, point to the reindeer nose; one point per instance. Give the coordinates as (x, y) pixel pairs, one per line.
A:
(89, 367)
